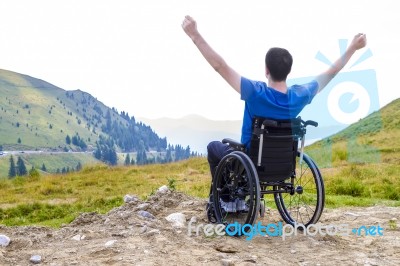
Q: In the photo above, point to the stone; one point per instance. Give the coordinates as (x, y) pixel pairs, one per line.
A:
(152, 232)
(143, 206)
(77, 238)
(227, 262)
(162, 190)
(352, 214)
(35, 259)
(4, 241)
(143, 229)
(146, 214)
(193, 219)
(110, 243)
(130, 198)
(226, 248)
(177, 219)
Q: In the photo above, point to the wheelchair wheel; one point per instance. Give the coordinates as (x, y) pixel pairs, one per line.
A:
(304, 205)
(236, 190)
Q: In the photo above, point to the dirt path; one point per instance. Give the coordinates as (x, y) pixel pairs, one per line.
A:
(125, 237)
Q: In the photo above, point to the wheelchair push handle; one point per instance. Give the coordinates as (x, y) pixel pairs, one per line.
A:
(309, 123)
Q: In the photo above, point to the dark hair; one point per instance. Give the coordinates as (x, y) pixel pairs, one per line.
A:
(279, 63)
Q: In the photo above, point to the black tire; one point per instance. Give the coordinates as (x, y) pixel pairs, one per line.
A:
(210, 212)
(236, 179)
(304, 206)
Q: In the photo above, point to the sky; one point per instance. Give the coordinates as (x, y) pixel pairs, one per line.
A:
(134, 55)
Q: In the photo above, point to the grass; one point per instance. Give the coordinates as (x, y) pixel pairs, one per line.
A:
(52, 200)
(356, 174)
(55, 199)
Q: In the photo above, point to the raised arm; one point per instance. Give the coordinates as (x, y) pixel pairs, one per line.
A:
(189, 25)
(359, 41)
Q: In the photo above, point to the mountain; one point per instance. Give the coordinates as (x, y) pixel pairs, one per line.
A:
(195, 130)
(36, 115)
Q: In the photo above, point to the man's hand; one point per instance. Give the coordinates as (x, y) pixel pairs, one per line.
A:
(359, 41)
(213, 58)
(189, 25)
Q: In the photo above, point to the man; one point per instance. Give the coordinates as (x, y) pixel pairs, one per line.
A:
(274, 100)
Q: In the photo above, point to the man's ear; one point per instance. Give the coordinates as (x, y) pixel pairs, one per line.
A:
(266, 72)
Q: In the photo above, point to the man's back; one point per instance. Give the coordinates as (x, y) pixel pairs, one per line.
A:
(263, 101)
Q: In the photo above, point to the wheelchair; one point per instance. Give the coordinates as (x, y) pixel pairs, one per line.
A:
(274, 164)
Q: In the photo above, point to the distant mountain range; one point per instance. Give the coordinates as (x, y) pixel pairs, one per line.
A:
(195, 130)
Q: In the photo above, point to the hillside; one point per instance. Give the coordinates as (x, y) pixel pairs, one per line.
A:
(376, 126)
(38, 115)
(373, 139)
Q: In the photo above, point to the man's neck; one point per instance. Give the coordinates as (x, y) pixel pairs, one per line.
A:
(278, 86)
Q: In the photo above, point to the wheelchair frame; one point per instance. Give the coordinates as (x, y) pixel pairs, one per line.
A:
(243, 177)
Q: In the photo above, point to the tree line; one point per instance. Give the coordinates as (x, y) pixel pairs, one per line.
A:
(19, 168)
(129, 135)
(136, 137)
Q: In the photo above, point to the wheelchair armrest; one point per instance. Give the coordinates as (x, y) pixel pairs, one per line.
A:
(234, 144)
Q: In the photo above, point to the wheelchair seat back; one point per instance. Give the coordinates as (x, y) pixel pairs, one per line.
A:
(273, 148)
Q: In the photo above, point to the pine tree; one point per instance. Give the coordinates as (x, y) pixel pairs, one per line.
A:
(144, 157)
(139, 159)
(112, 156)
(44, 169)
(12, 172)
(97, 152)
(127, 159)
(168, 157)
(21, 168)
(79, 166)
(68, 140)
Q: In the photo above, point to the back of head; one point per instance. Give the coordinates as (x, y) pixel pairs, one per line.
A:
(279, 63)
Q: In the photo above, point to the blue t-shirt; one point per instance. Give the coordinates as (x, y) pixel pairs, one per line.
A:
(263, 101)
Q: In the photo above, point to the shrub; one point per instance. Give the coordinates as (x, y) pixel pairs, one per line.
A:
(349, 187)
(171, 183)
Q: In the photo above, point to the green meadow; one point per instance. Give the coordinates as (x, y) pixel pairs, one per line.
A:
(53, 200)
